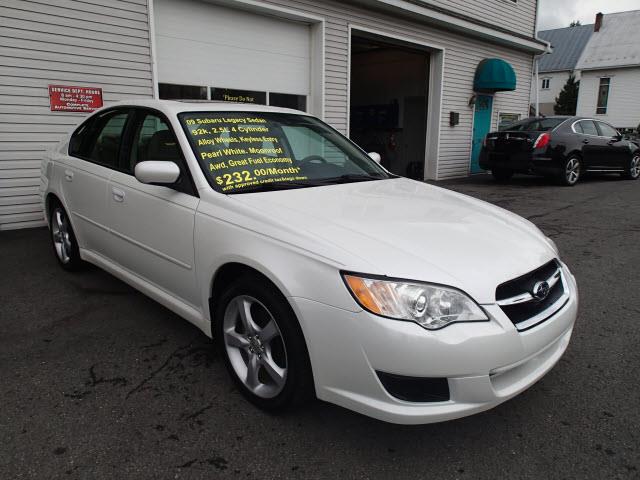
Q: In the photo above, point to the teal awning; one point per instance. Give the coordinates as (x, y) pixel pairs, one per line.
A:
(494, 75)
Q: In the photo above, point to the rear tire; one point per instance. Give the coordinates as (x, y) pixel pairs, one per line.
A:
(502, 174)
(571, 171)
(633, 170)
(63, 239)
(262, 344)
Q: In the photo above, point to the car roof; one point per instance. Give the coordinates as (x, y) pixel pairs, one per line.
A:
(174, 107)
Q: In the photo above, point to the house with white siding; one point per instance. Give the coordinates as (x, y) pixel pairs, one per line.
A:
(554, 68)
(419, 81)
(610, 66)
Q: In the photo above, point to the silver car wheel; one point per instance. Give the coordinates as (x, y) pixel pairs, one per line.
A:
(60, 234)
(634, 171)
(255, 346)
(572, 172)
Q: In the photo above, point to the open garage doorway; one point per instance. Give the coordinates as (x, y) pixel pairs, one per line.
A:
(389, 94)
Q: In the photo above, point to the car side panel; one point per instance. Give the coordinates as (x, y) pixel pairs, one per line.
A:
(152, 234)
(620, 154)
(84, 188)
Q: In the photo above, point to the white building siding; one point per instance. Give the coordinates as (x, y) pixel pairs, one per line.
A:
(462, 55)
(94, 43)
(518, 16)
(557, 81)
(547, 97)
(623, 108)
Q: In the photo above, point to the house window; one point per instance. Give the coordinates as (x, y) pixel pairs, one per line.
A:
(168, 91)
(297, 102)
(545, 83)
(507, 119)
(603, 96)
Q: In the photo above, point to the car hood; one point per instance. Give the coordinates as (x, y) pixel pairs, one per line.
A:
(407, 229)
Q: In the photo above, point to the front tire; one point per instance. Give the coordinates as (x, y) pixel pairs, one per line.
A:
(633, 170)
(63, 239)
(571, 171)
(262, 344)
(502, 174)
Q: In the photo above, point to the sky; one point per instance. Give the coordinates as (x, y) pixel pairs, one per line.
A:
(560, 13)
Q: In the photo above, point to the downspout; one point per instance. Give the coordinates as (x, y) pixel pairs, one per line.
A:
(152, 48)
(536, 58)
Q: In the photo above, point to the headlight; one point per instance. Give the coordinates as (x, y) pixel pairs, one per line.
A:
(430, 306)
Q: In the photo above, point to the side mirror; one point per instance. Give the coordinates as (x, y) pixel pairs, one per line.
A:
(375, 157)
(157, 172)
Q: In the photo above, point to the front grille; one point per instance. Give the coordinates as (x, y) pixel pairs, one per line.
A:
(518, 300)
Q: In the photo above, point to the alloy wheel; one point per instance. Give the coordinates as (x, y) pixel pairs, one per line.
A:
(634, 170)
(60, 235)
(572, 171)
(255, 346)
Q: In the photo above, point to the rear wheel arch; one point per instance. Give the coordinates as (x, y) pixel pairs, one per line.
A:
(50, 200)
(62, 234)
(53, 199)
(574, 153)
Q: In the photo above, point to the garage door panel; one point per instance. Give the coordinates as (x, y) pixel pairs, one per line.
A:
(203, 44)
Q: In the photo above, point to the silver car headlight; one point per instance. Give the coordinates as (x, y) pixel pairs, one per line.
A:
(430, 306)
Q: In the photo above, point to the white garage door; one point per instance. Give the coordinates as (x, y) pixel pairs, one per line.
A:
(202, 44)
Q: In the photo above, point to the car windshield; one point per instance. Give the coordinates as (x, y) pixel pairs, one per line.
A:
(535, 125)
(243, 152)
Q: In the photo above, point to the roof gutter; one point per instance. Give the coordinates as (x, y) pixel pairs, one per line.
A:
(447, 19)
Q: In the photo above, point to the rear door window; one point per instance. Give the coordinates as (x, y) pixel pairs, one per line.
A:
(589, 127)
(100, 138)
(607, 130)
(105, 148)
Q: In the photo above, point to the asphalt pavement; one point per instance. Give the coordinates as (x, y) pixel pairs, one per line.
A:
(98, 381)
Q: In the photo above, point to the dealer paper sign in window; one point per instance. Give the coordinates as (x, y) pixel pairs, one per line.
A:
(74, 99)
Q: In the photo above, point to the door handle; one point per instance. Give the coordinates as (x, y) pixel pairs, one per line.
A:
(68, 175)
(585, 141)
(118, 195)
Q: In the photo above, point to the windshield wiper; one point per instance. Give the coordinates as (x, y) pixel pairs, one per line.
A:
(348, 178)
(270, 187)
(312, 182)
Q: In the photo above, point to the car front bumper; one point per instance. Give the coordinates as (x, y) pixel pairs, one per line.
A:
(485, 363)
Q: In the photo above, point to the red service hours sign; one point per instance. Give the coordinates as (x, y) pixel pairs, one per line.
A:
(74, 99)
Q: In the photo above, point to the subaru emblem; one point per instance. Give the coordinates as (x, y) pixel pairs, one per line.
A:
(540, 290)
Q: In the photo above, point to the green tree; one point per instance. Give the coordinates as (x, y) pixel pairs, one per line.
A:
(575, 23)
(567, 99)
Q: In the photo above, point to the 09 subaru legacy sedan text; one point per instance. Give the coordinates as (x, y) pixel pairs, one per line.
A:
(315, 270)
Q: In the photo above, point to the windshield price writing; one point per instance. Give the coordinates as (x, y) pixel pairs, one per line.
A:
(241, 150)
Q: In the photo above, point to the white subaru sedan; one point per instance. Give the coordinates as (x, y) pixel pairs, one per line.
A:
(316, 271)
